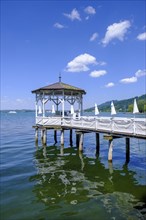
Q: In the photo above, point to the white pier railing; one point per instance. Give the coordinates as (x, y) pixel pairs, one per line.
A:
(120, 125)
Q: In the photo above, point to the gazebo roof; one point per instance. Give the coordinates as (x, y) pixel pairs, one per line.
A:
(58, 88)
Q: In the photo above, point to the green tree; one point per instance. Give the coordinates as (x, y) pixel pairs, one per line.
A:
(130, 108)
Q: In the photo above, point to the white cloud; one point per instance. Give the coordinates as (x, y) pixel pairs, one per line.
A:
(140, 73)
(59, 26)
(90, 10)
(111, 84)
(97, 73)
(94, 36)
(80, 63)
(129, 80)
(74, 15)
(116, 31)
(142, 36)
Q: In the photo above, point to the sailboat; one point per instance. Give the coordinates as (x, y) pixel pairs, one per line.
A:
(53, 109)
(113, 110)
(96, 110)
(40, 110)
(135, 107)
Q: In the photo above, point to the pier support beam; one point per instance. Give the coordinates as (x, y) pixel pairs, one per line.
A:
(81, 142)
(77, 140)
(62, 137)
(110, 152)
(55, 136)
(62, 150)
(42, 135)
(97, 144)
(127, 150)
(71, 142)
(44, 131)
(36, 135)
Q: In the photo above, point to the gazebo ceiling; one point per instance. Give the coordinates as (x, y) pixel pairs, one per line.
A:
(58, 88)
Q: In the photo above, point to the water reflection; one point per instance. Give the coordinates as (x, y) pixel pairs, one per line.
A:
(67, 178)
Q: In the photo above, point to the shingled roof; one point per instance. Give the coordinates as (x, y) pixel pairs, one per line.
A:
(58, 87)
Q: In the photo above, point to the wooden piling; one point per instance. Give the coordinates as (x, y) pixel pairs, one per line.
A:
(42, 133)
(71, 142)
(62, 137)
(55, 136)
(97, 144)
(81, 142)
(62, 150)
(110, 152)
(36, 135)
(127, 150)
(44, 136)
(77, 139)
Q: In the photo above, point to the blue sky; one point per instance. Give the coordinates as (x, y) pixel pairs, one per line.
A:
(99, 46)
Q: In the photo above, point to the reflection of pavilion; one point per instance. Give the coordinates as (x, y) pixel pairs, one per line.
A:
(74, 179)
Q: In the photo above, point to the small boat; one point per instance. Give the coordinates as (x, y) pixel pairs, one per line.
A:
(12, 112)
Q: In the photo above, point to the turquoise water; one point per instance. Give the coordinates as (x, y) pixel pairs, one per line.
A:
(54, 183)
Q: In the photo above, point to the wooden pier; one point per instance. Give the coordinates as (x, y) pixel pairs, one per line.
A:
(112, 127)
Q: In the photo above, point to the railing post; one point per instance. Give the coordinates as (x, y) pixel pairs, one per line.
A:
(82, 121)
(112, 125)
(95, 123)
(134, 126)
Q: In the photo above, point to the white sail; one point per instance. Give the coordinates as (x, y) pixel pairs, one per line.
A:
(96, 110)
(135, 107)
(72, 109)
(40, 110)
(113, 110)
(53, 109)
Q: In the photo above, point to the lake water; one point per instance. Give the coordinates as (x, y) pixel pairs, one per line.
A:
(54, 183)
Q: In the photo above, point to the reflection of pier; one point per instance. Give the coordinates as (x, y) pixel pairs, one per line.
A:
(60, 94)
(76, 179)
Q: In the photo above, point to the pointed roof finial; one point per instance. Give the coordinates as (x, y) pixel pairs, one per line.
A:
(59, 77)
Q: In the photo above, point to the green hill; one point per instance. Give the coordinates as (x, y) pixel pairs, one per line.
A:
(125, 105)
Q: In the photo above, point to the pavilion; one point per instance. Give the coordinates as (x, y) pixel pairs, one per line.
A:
(59, 93)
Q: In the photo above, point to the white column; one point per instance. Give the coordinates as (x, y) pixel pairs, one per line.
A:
(63, 107)
(79, 107)
(81, 99)
(36, 107)
(63, 104)
(43, 101)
